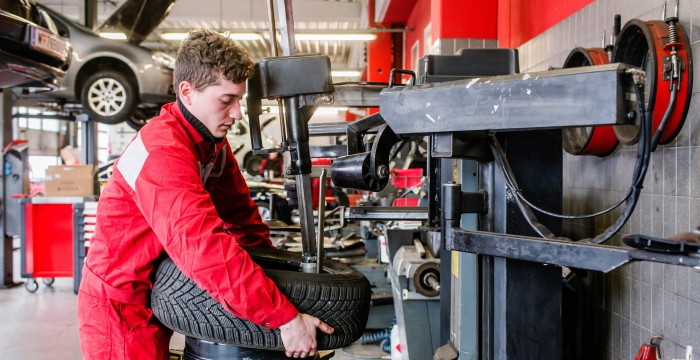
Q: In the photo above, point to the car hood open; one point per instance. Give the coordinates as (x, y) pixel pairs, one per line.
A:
(137, 18)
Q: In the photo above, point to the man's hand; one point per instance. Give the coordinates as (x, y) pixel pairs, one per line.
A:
(299, 335)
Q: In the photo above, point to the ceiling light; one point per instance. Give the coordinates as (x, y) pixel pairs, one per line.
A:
(113, 36)
(339, 37)
(232, 36)
(346, 73)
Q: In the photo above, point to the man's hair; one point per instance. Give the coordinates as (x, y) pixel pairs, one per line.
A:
(205, 54)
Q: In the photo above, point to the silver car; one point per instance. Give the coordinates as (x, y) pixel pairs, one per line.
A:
(115, 80)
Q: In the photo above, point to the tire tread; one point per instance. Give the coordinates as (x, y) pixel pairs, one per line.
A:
(183, 307)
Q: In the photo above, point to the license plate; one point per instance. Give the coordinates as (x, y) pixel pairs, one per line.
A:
(48, 42)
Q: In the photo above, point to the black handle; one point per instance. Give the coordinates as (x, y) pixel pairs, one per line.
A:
(618, 24)
(401, 71)
(254, 112)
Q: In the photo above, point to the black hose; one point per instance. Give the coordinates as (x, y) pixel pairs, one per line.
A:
(640, 170)
(662, 126)
(512, 186)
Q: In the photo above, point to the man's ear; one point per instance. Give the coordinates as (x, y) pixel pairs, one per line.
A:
(185, 90)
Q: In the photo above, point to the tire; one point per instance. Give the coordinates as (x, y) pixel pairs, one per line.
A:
(113, 86)
(340, 297)
(252, 164)
(264, 209)
(141, 116)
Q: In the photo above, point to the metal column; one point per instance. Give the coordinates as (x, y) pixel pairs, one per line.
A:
(464, 273)
(298, 132)
(526, 321)
(88, 140)
(6, 263)
(90, 14)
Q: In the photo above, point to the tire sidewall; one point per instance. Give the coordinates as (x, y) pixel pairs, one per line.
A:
(129, 105)
(249, 164)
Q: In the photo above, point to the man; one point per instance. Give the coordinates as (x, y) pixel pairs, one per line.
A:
(177, 190)
(273, 164)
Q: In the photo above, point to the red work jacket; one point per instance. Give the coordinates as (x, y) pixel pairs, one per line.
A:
(172, 191)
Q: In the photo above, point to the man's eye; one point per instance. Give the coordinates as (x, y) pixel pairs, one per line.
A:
(226, 102)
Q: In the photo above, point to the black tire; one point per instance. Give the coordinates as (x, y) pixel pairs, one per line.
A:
(48, 281)
(141, 116)
(95, 90)
(252, 164)
(340, 297)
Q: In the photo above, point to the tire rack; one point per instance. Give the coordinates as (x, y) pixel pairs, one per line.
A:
(84, 221)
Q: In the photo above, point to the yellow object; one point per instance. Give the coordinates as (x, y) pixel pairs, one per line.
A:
(455, 263)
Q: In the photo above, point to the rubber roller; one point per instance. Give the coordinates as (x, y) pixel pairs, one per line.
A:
(353, 172)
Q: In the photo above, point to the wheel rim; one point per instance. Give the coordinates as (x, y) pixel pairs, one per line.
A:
(265, 213)
(106, 97)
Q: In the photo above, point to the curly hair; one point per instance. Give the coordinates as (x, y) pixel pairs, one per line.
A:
(205, 54)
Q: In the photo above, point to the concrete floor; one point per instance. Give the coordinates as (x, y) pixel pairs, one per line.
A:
(44, 325)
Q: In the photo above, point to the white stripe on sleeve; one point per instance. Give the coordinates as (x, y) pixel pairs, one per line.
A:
(132, 160)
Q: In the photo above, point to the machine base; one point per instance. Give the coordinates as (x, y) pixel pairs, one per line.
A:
(197, 349)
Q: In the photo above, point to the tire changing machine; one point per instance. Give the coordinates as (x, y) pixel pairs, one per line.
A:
(487, 134)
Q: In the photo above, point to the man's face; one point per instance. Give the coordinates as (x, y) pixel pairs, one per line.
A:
(216, 106)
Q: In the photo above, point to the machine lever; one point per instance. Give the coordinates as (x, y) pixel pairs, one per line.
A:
(321, 220)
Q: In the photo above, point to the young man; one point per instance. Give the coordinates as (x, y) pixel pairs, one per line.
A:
(177, 190)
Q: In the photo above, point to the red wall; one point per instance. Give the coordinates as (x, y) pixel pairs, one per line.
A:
(521, 20)
(417, 21)
(459, 19)
(464, 19)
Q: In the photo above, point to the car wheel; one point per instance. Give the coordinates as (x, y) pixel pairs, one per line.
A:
(264, 209)
(339, 296)
(252, 164)
(109, 97)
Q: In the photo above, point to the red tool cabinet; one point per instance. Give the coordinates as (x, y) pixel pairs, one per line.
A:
(47, 238)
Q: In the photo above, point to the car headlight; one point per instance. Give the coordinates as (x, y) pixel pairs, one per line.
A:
(163, 60)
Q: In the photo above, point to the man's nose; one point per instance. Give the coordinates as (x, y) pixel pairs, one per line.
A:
(235, 112)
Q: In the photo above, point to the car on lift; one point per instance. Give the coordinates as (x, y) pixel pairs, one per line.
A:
(31, 51)
(115, 80)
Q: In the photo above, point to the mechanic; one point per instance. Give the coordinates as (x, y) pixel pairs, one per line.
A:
(177, 190)
(273, 164)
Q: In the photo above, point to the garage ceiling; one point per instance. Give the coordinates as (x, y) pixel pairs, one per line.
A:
(251, 16)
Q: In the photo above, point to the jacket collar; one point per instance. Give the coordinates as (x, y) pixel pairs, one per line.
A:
(194, 125)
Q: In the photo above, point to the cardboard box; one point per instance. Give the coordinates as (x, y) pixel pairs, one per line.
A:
(76, 180)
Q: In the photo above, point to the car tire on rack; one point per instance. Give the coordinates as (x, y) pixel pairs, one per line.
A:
(340, 296)
(252, 164)
(109, 97)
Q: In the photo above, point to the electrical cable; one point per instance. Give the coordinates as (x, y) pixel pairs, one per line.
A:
(641, 167)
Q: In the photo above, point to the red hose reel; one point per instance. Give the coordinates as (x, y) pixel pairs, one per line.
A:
(648, 45)
(589, 140)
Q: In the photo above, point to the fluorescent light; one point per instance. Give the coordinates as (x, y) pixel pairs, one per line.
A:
(243, 36)
(232, 36)
(346, 73)
(340, 37)
(113, 36)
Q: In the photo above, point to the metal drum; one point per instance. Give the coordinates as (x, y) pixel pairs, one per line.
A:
(589, 140)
